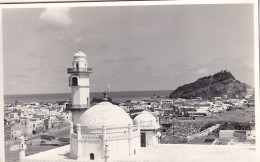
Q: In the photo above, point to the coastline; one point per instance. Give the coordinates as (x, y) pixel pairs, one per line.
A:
(117, 96)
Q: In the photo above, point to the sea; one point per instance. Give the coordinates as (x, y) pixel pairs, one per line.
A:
(54, 97)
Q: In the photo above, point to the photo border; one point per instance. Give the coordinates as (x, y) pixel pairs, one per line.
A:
(68, 3)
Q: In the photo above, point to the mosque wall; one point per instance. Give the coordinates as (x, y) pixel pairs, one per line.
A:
(155, 139)
(136, 144)
(74, 147)
(118, 148)
(53, 160)
(149, 138)
(91, 147)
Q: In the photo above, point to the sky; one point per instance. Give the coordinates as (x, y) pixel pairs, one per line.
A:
(133, 48)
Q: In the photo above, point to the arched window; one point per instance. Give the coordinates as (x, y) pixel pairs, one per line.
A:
(74, 81)
(77, 66)
(91, 156)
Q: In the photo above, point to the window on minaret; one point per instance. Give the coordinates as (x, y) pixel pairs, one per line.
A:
(74, 81)
(77, 66)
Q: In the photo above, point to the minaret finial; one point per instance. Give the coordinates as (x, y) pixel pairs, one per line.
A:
(108, 86)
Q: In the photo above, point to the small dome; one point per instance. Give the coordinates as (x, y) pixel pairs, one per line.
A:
(146, 120)
(144, 117)
(105, 114)
(80, 54)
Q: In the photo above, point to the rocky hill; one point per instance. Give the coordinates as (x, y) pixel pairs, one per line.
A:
(217, 85)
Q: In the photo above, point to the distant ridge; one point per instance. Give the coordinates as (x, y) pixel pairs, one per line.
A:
(217, 85)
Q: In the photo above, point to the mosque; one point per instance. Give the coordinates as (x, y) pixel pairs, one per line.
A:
(106, 133)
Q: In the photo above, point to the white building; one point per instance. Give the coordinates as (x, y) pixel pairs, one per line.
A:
(24, 129)
(150, 129)
(34, 104)
(217, 108)
(169, 101)
(16, 134)
(203, 109)
(226, 134)
(250, 135)
(227, 106)
(104, 126)
(67, 116)
(14, 115)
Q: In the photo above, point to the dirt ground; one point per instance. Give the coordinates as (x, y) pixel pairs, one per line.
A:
(244, 114)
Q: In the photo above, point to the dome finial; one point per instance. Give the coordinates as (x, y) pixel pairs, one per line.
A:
(105, 97)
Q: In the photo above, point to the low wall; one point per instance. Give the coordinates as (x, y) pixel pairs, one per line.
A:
(52, 160)
(203, 133)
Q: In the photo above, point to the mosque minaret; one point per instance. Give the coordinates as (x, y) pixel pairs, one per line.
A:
(79, 83)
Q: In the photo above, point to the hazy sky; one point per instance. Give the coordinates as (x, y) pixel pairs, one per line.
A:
(131, 48)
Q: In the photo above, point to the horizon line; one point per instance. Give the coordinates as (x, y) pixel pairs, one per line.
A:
(90, 92)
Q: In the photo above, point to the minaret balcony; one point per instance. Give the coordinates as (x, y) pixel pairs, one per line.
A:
(79, 70)
(76, 107)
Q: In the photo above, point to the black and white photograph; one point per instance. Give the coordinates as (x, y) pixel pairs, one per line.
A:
(168, 81)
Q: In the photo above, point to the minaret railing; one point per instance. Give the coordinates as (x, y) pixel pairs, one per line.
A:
(80, 106)
(79, 70)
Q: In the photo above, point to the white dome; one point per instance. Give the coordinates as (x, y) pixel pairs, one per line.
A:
(144, 117)
(105, 114)
(80, 54)
(146, 120)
